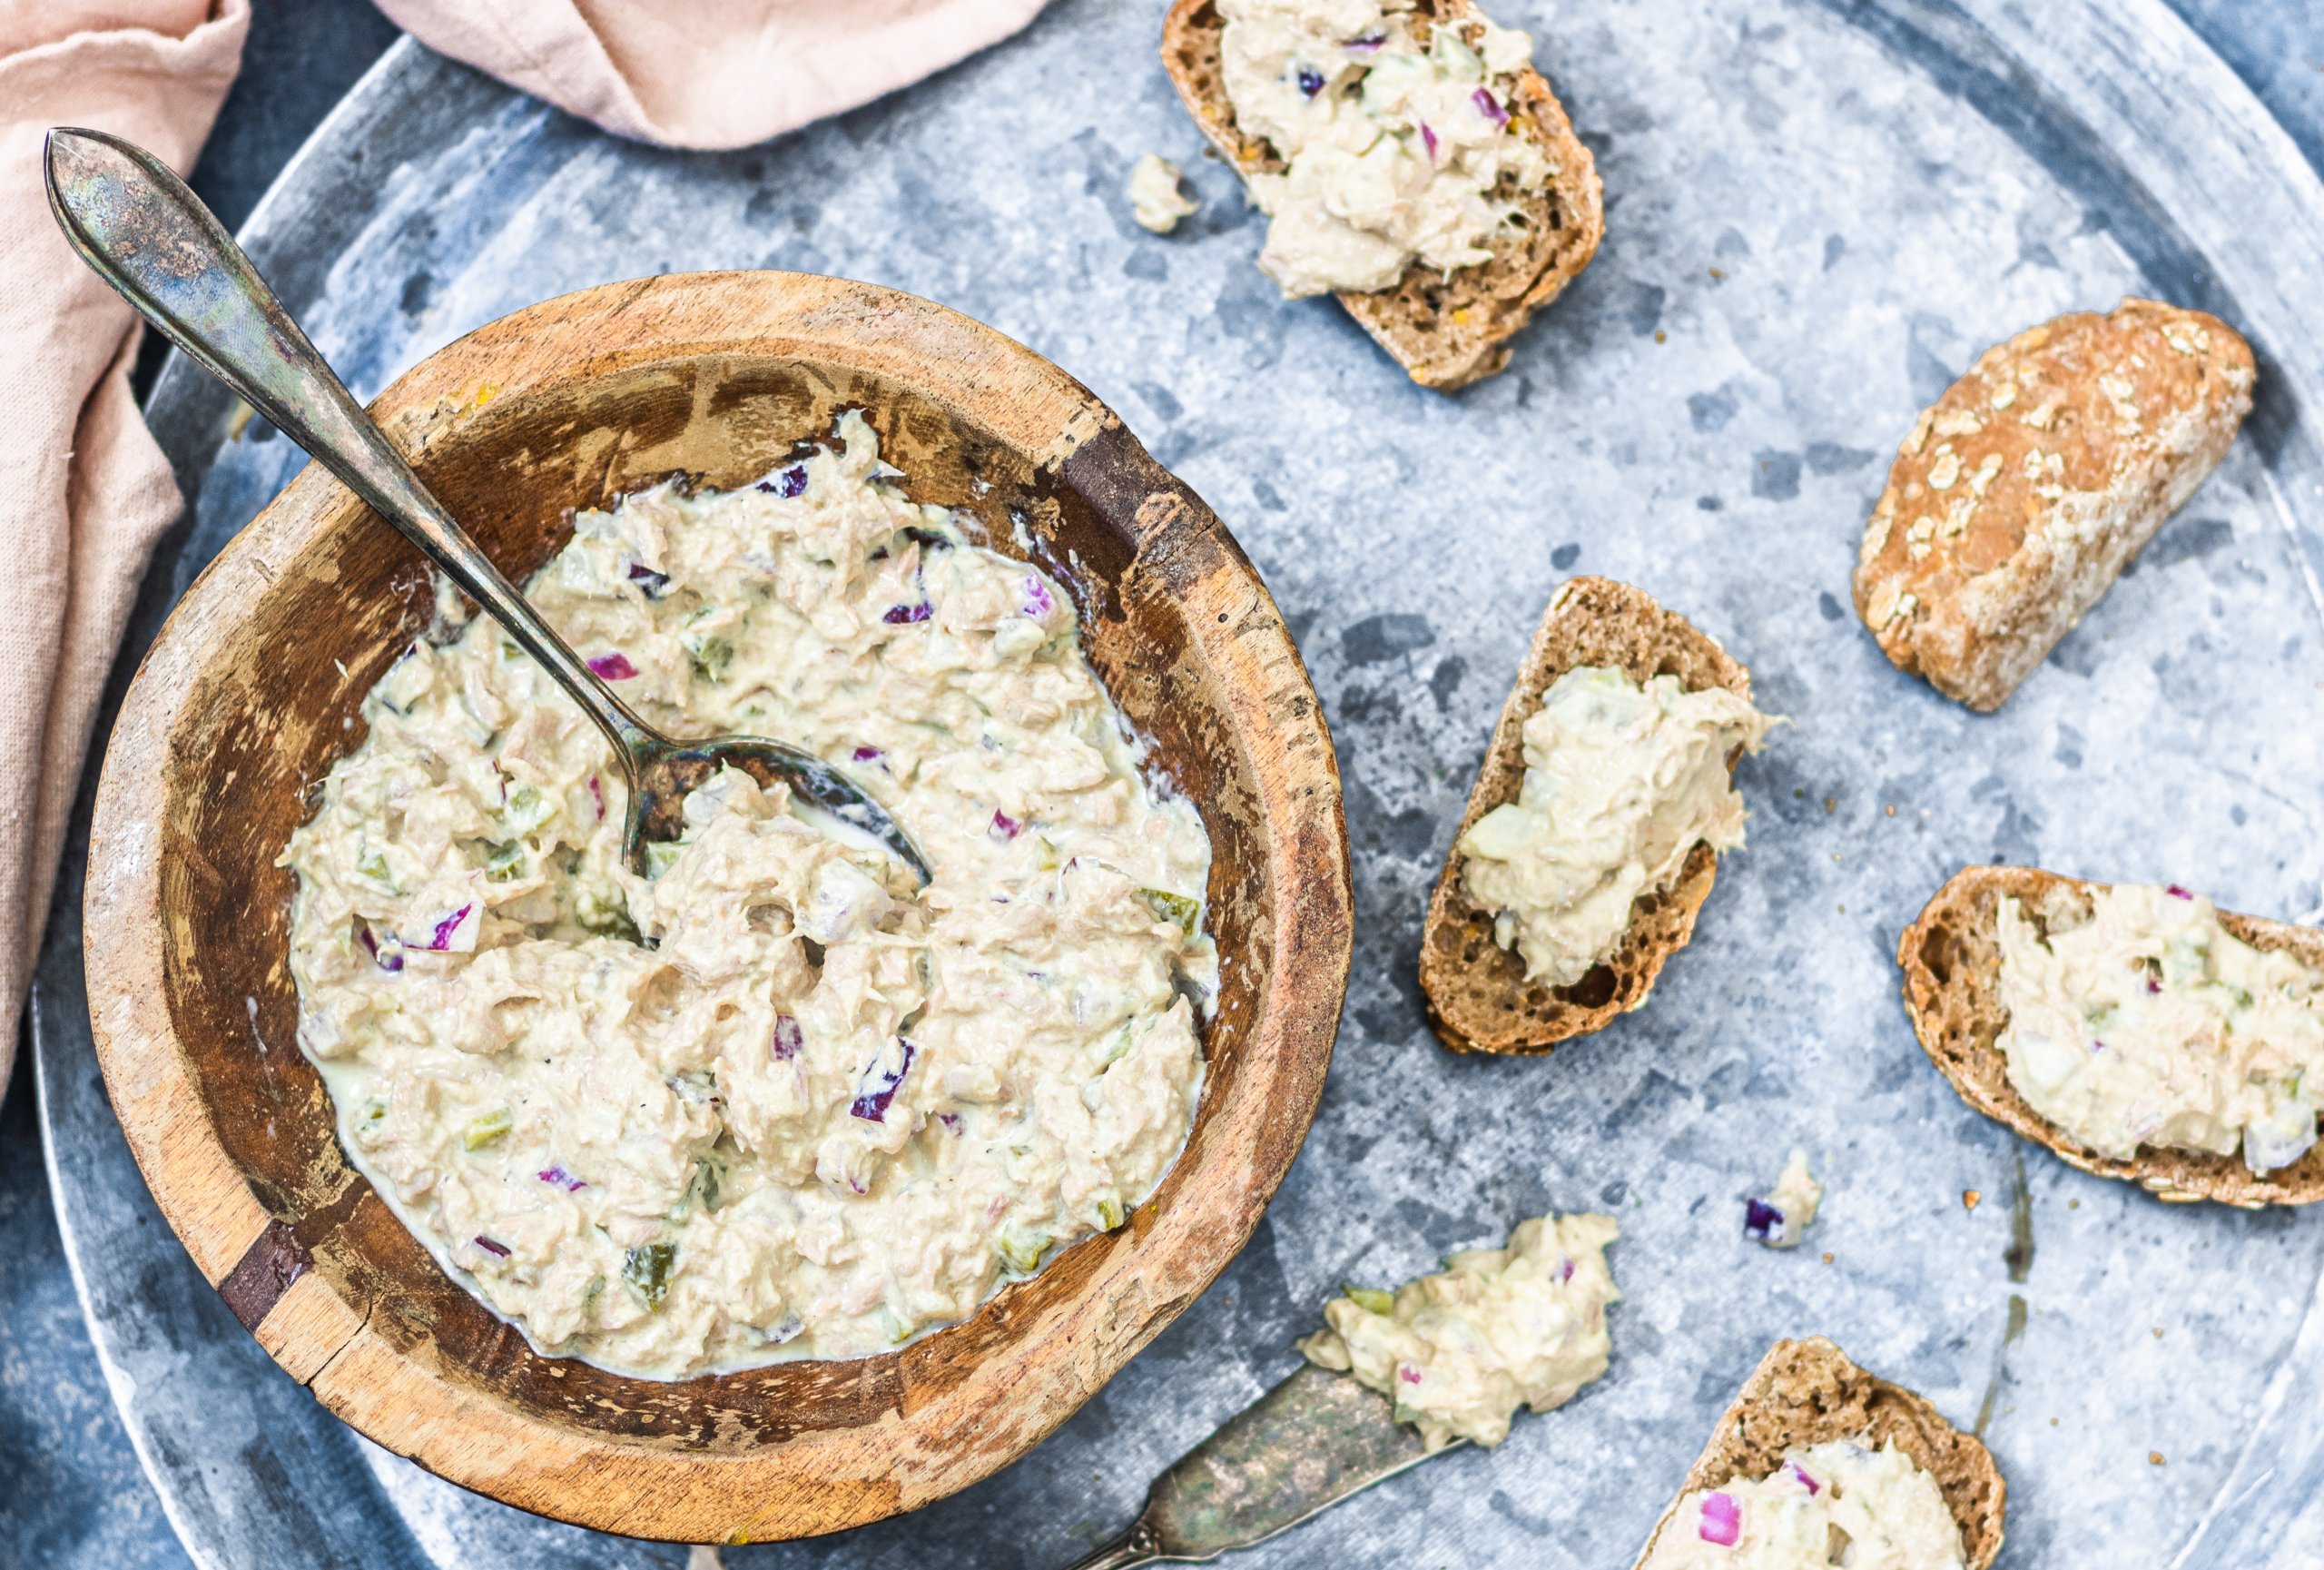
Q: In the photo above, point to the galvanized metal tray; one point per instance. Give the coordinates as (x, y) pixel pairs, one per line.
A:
(1817, 213)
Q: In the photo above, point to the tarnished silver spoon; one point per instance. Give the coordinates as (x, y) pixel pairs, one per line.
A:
(137, 225)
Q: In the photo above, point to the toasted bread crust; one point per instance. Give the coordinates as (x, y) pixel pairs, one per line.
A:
(1479, 999)
(1807, 1393)
(1447, 333)
(2021, 494)
(1950, 960)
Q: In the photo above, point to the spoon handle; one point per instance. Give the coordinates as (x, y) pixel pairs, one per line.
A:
(135, 222)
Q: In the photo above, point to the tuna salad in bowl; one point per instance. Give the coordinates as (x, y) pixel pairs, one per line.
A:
(761, 1190)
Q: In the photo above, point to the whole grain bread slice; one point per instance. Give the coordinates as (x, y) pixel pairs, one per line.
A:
(1479, 999)
(1951, 958)
(1807, 1393)
(2021, 495)
(1446, 332)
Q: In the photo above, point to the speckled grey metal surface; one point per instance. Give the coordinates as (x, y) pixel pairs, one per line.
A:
(1817, 213)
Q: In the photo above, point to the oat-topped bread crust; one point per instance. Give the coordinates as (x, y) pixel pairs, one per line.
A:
(1447, 333)
(1807, 1393)
(1479, 999)
(2024, 491)
(1951, 957)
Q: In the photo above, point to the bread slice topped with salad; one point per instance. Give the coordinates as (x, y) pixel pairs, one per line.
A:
(1409, 158)
(1819, 1462)
(1575, 876)
(2023, 492)
(2139, 1033)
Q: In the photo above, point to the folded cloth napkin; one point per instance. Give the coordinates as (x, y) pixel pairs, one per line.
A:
(709, 73)
(83, 490)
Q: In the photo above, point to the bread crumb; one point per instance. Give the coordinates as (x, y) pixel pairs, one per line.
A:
(2073, 1204)
(1831, 805)
(1661, 336)
(1827, 1259)
(1717, 276)
(1890, 809)
(2154, 1457)
(1969, 1198)
(2158, 1332)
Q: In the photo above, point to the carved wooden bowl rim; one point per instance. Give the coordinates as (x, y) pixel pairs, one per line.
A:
(938, 1423)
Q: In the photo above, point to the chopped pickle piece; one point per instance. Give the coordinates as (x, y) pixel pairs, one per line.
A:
(482, 1130)
(647, 1269)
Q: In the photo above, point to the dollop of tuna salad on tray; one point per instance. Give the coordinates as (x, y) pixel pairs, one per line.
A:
(772, 1100)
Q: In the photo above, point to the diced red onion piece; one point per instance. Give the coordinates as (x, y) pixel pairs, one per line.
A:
(448, 926)
(951, 1122)
(1428, 140)
(1761, 1220)
(489, 1247)
(1004, 827)
(1722, 1520)
(597, 794)
(1799, 1472)
(788, 1038)
(1039, 601)
(389, 962)
(1489, 106)
(866, 755)
(792, 481)
(1408, 1374)
(878, 1088)
(2176, 892)
(1368, 44)
(614, 667)
(558, 1178)
(900, 615)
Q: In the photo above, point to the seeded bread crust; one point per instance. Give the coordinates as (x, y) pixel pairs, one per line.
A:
(1951, 957)
(2022, 493)
(1807, 1393)
(1479, 999)
(1447, 333)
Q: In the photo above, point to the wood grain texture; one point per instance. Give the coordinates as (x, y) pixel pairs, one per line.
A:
(254, 689)
(1479, 997)
(1446, 332)
(1805, 1393)
(1951, 961)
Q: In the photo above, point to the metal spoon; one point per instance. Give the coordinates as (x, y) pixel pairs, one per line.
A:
(144, 233)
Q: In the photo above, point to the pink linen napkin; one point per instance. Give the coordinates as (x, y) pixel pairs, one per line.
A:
(83, 490)
(709, 73)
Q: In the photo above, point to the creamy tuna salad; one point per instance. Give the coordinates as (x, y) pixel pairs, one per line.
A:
(1621, 782)
(1155, 199)
(772, 1100)
(1779, 1217)
(1833, 1504)
(2152, 1024)
(1400, 140)
(1499, 1328)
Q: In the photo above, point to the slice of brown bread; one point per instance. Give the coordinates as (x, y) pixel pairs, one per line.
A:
(1807, 1393)
(1447, 333)
(2022, 493)
(1951, 957)
(1478, 997)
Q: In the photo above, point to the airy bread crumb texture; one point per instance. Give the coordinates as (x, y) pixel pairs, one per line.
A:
(2021, 495)
(1479, 999)
(1446, 332)
(1806, 1393)
(1950, 960)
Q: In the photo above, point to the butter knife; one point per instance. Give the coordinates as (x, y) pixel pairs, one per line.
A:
(1309, 1443)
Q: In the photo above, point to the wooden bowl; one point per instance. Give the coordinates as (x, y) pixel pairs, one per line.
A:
(255, 689)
